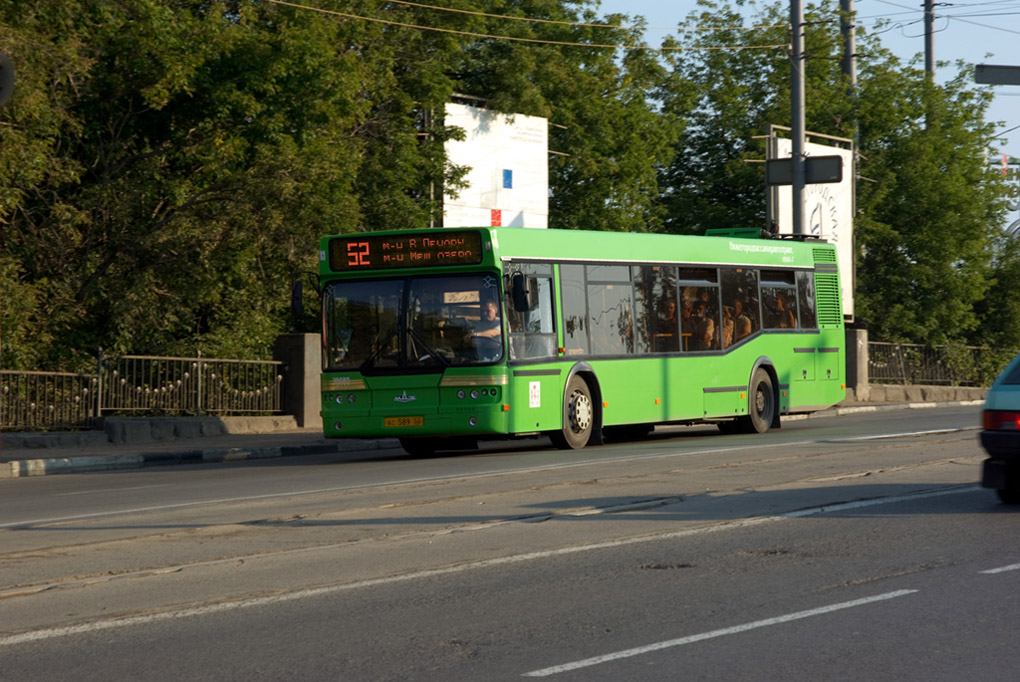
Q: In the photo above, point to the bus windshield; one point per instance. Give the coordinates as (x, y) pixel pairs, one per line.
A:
(415, 323)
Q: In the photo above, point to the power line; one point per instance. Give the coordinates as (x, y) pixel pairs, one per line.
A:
(521, 40)
(587, 25)
(950, 16)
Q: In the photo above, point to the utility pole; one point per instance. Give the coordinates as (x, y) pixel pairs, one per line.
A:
(846, 27)
(6, 89)
(797, 115)
(929, 39)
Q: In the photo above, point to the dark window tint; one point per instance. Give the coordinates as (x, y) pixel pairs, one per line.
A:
(699, 275)
(806, 298)
(779, 306)
(656, 310)
(1013, 377)
(699, 318)
(777, 277)
(361, 324)
(740, 313)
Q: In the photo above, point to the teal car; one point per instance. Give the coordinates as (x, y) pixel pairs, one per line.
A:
(1000, 435)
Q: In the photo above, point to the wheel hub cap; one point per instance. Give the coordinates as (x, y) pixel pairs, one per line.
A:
(580, 412)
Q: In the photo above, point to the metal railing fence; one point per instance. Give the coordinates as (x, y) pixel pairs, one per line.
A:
(47, 400)
(140, 385)
(952, 365)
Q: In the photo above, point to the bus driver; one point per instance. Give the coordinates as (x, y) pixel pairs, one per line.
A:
(486, 335)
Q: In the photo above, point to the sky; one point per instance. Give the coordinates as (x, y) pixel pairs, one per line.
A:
(977, 31)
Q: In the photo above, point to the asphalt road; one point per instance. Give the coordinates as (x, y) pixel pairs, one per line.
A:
(848, 548)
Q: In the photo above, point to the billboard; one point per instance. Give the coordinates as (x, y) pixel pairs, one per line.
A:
(828, 209)
(508, 180)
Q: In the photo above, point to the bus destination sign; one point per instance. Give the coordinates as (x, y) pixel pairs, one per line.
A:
(379, 252)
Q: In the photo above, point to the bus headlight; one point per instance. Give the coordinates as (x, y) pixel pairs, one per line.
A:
(337, 426)
(472, 421)
(474, 395)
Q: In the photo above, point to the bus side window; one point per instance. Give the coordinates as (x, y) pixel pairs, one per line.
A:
(575, 309)
(740, 304)
(806, 297)
(532, 333)
(700, 327)
(779, 299)
(700, 324)
(610, 310)
(656, 311)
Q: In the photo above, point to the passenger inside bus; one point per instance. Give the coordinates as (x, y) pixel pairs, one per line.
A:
(667, 328)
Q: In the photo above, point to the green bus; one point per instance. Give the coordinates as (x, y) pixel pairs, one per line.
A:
(442, 337)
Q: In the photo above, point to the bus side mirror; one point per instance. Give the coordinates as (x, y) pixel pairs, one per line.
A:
(523, 292)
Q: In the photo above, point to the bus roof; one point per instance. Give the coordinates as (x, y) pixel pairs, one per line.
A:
(504, 243)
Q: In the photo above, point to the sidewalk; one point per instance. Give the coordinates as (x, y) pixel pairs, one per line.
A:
(132, 443)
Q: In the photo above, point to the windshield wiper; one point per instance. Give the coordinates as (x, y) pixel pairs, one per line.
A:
(370, 360)
(429, 348)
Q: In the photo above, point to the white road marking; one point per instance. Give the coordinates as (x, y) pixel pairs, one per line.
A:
(384, 484)
(1004, 569)
(113, 490)
(858, 504)
(908, 434)
(250, 602)
(433, 479)
(637, 651)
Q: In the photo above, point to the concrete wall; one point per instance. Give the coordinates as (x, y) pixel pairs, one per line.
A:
(302, 392)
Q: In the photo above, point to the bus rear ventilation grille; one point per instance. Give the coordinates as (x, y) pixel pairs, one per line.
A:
(827, 293)
(824, 255)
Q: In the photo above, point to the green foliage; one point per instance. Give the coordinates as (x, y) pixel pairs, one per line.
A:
(929, 220)
(927, 207)
(167, 166)
(1000, 309)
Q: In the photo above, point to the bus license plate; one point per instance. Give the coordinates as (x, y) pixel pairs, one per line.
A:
(390, 422)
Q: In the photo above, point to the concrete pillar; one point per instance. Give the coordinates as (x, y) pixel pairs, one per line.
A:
(302, 393)
(857, 362)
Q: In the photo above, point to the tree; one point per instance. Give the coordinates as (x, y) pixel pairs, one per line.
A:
(927, 208)
(929, 219)
(168, 165)
(608, 134)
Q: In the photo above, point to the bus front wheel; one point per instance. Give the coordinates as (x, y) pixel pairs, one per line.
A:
(578, 416)
(419, 447)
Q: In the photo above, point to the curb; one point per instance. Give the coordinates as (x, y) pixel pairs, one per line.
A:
(92, 463)
(864, 409)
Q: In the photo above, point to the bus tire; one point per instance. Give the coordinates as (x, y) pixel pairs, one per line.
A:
(619, 434)
(578, 416)
(419, 447)
(761, 403)
(731, 426)
(1009, 495)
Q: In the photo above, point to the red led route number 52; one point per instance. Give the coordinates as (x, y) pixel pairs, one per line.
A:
(357, 253)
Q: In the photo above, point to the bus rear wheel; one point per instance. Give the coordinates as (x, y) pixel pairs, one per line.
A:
(1009, 495)
(761, 404)
(578, 416)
